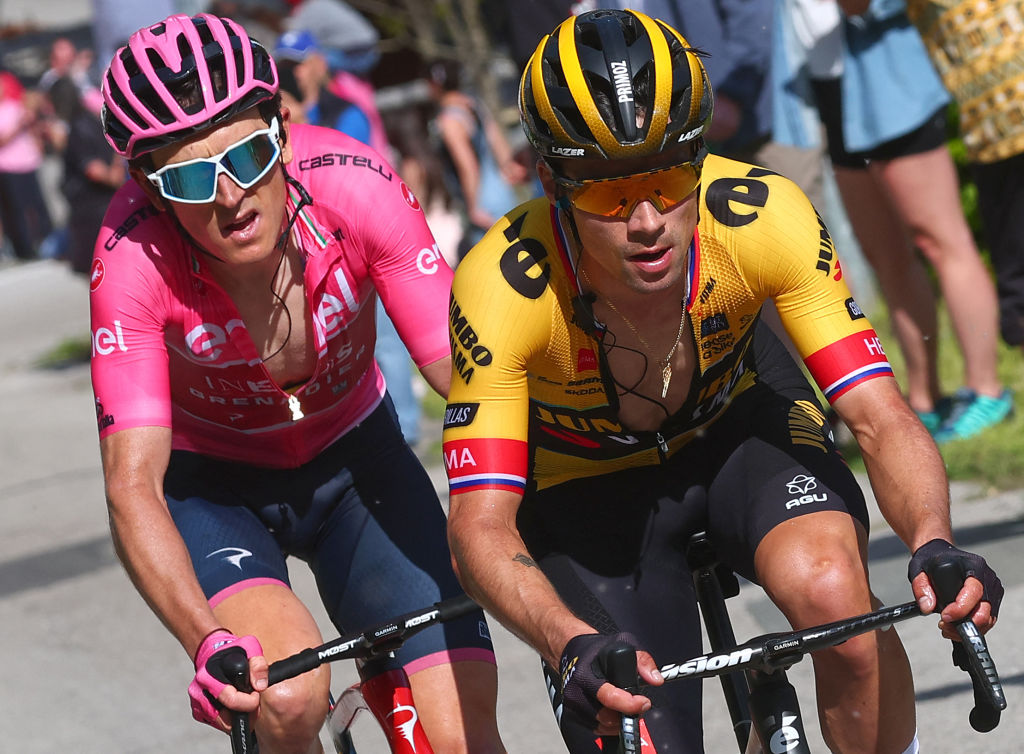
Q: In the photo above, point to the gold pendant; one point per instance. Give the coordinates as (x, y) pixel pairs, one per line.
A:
(666, 377)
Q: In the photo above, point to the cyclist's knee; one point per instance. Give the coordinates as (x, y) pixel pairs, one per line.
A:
(291, 715)
(820, 585)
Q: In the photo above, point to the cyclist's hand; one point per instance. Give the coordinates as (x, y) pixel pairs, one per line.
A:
(617, 702)
(979, 597)
(210, 690)
(587, 694)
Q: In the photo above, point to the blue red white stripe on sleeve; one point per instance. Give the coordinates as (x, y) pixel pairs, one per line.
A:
(847, 362)
(491, 463)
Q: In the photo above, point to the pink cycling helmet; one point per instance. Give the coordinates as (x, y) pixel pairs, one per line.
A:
(179, 77)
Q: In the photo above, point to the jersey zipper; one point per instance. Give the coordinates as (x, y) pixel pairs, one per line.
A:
(662, 447)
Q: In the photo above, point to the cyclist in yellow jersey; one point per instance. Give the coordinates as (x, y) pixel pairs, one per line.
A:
(614, 390)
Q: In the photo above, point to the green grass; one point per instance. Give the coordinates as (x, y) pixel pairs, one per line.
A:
(66, 353)
(995, 458)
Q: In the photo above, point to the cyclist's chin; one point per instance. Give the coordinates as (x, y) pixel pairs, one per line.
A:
(235, 254)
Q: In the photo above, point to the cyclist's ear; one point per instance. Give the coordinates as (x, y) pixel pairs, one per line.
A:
(554, 193)
(285, 117)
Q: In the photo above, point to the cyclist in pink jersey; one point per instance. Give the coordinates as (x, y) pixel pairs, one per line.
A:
(242, 417)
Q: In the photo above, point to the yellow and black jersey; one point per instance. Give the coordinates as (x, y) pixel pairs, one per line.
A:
(529, 399)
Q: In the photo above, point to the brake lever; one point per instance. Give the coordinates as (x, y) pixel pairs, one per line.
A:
(971, 653)
(618, 663)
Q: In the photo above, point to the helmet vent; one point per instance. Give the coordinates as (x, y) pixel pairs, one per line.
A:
(123, 104)
(564, 105)
(128, 60)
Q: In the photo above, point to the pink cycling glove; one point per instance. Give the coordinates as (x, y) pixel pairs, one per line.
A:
(210, 677)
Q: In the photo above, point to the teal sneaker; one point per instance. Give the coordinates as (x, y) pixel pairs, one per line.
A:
(944, 408)
(930, 419)
(975, 416)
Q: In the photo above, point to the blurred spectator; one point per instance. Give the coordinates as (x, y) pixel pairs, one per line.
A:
(416, 158)
(883, 108)
(349, 41)
(92, 173)
(302, 61)
(71, 65)
(525, 22)
(414, 155)
(116, 20)
(66, 61)
(264, 20)
(981, 69)
(479, 167)
(23, 211)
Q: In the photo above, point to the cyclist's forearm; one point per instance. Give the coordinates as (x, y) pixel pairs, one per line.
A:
(496, 569)
(156, 560)
(908, 479)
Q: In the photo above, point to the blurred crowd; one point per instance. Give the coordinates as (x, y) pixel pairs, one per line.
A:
(855, 96)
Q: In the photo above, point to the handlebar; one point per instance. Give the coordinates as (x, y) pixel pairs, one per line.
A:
(376, 641)
(778, 651)
(971, 653)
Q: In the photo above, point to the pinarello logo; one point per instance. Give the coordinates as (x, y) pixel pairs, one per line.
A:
(410, 198)
(96, 274)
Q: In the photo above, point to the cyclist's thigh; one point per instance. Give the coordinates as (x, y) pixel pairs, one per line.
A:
(383, 551)
(612, 548)
(230, 548)
(784, 466)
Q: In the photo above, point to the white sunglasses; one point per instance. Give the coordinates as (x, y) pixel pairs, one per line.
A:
(245, 162)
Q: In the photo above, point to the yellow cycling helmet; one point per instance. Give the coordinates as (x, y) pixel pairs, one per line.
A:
(587, 82)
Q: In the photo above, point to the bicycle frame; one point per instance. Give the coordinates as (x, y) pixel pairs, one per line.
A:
(386, 695)
(388, 698)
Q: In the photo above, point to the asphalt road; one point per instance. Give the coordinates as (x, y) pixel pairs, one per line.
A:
(91, 670)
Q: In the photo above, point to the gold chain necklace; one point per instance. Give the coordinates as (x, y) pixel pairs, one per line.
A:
(665, 363)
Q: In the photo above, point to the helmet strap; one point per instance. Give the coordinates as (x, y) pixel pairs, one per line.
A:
(563, 205)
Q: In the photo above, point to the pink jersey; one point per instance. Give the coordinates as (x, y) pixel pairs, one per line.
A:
(169, 347)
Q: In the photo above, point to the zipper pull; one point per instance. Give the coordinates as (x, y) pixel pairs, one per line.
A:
(662, 445)
(296, 409)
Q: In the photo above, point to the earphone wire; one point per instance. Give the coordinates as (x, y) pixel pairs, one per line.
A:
(305, 200)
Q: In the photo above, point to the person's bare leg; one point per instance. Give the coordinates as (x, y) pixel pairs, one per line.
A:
(814, 568)
(456, 704)
(925, 191)
(902, 279)
(291, 713)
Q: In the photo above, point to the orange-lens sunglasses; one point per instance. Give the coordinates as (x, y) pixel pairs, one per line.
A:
(618, 197)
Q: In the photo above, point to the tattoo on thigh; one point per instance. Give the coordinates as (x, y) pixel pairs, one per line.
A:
(526, 560)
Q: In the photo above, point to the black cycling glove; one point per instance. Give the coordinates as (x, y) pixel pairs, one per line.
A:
(939, 550)
(582, 676)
